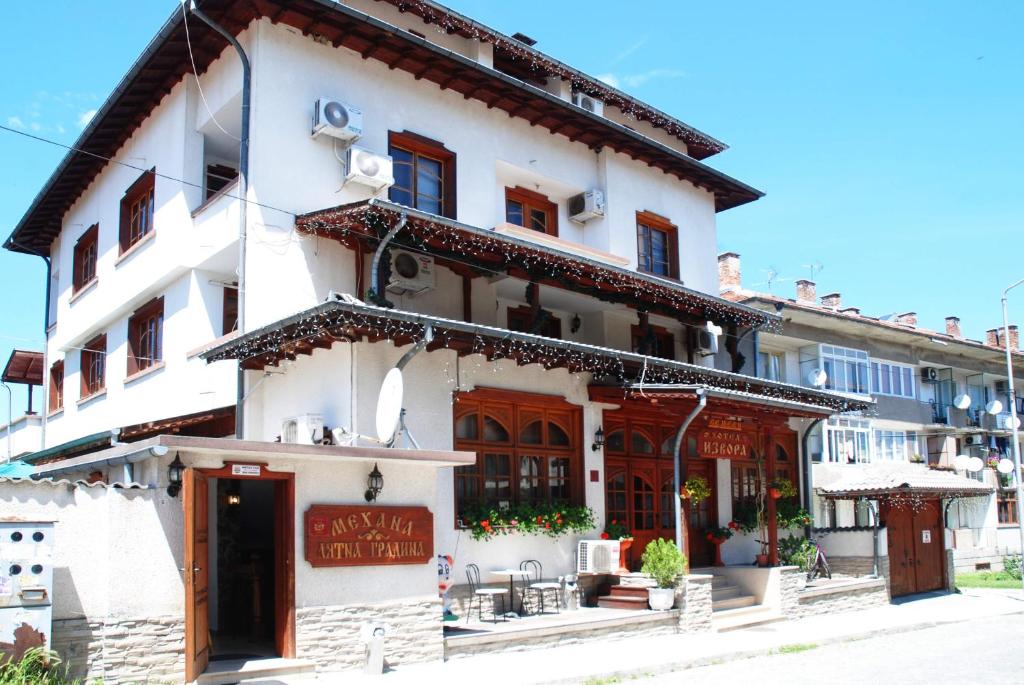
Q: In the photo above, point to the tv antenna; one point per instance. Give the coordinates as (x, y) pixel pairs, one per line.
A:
(816, 268)
(773, 278)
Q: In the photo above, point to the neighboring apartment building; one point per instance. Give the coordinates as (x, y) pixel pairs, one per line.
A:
(919, 379)
(546, 242)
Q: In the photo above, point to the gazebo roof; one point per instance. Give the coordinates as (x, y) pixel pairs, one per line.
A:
(874, 480)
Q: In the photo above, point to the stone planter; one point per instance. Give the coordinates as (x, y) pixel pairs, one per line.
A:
(661, 598)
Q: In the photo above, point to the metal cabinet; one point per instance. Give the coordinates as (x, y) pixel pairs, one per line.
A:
(26, 585)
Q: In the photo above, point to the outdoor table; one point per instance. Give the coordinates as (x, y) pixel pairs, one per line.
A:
(512, 573)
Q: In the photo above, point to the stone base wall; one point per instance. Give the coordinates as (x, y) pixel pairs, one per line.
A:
(853, 566)
(967, 560)
(135, 650)
(791, 582)
(694, 602)
(839, 600)
(331, 636)
(951, 570)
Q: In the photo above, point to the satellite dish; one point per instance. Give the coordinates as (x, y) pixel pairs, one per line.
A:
(961, 461)
(1012, 422)
(975, 464)
(389, 405)
(962, 401)
(817, 378)
(994, 407)
(1004, 466)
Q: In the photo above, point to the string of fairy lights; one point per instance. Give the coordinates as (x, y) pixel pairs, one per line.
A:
(446, 22)
(436, 238)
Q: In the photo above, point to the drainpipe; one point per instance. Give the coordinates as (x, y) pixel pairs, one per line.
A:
(376, 277)
(808, 496)
(874, 535)
(243, 193)
(10, 419)
(702, 401)
(46, 326)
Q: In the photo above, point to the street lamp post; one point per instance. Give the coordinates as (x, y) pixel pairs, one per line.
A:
(1013, 423)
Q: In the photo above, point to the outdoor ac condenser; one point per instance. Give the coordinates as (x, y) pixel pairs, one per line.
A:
(307, 429)
(597, 556)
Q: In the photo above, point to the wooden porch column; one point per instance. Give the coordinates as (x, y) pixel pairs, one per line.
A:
(773, 523)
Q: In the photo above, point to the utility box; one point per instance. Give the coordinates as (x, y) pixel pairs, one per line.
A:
(26, 585)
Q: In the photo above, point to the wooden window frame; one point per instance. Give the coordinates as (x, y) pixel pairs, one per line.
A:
(530, 199)
(229, 311)
(1006, 507)
(141, 190)
(513, 404)
(432, 149)
(137, 325)
(95, 348)
(223, 177)
(656, 222)
(662, 335)
(524, 314)
(55, 402)
(87, 245)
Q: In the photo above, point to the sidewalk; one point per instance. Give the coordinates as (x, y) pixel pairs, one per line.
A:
(651, 656)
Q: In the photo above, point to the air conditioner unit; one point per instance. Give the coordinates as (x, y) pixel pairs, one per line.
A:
(1002, 387)
(586, 206)
(707, 340)
(306, 429)
(597, 556)
(334, 118)
(975, 440)
(367, 168)
(411, 274)
(588, 102)
(929, 374)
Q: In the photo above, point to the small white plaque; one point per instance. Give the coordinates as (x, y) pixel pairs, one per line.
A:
(246, 470)
(926, 536)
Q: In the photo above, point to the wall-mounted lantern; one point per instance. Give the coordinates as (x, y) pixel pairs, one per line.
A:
(374, 484)
(175, 473)
(598, 439)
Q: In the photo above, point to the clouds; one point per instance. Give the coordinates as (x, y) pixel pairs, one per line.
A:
(15, 122)
(85, 117)
(640, 79)
(54, 113)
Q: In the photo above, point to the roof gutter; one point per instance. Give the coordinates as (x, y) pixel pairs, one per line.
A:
(101, 439)
(132, 456)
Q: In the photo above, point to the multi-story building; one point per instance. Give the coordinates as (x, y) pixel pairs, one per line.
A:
(532, 249)
(936, 395)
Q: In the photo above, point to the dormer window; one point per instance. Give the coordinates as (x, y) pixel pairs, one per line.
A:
(531, 210)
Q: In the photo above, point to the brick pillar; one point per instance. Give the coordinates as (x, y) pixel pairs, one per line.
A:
(832, 300)
(953, 326)
(1014, 338)
(806, 291)
(729, 277)
(992, 337)
(695, 604)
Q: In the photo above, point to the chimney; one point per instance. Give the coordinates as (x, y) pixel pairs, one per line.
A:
(728, 271)
(992, 337)
(1014, 338)
(832, 301)
(805, 291)
(953, 326)
(853, 311)
(907, 319)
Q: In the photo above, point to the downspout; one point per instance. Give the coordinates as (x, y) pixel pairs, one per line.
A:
(874, 535)
(808, 496)
(376, 282)
(243, 194)
(702, 401)
(46, 339)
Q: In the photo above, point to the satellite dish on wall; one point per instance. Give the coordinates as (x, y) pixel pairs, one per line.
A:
(1005, 466)
(817, 378)
(389, 405)
(1012, 422)
(962, 401)
(975, 464)
(994, 407)
(961, 461)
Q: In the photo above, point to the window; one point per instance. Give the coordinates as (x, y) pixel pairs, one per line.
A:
(1006, 504)
(137, 209)
(894, 445)
(527, 446)
(848, 441)
(657, 342)
(230, 316)
(524, 320)
(219, 177)
(846, 369)
(892, 379)
(771, 365)
(745, 487)
(56, 400)
(657, 247)
(84, 260)
(424, 174)
(145, 336)
(93, 366)
(531, 210)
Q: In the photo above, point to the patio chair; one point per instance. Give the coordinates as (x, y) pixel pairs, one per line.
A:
(537, 586)
(478, 593)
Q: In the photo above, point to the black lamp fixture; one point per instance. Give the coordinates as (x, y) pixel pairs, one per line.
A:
(598, 439)
(374, 484)
(575, 323)
(175, 472)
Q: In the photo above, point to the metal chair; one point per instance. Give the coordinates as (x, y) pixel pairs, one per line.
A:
(478, 593)
(539, 587)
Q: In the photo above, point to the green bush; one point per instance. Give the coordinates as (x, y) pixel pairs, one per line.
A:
(794, 551)
(663, 561)
(1011, 566)
(38, 666)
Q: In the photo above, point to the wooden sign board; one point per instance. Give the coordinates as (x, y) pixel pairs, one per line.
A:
(723, 444)
(368, 535)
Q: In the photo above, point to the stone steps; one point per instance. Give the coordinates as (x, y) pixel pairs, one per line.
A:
(737, 602)
(624, 597)
(744, 617)
(243, 670)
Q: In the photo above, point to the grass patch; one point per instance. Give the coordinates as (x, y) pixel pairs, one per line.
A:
(797, 648)
(987, 579)
(602, 681)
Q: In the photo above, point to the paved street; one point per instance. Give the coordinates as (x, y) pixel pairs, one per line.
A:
(980, 651)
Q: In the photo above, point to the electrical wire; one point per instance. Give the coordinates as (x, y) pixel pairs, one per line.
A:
(202, 96)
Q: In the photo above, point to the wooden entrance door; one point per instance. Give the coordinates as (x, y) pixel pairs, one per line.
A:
(701, 516)
(195, 499)
(916, 549)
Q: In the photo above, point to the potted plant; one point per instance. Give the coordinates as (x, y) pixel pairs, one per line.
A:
(616, 530)
(717, 536)
(663, 561)
(781, 487)
(696, 489)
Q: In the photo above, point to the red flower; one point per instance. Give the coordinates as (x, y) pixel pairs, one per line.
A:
(733, 525)
(540, 519)
(711, 537)
(614, 522)
(547, 525)
(513, 522)
(604, 536)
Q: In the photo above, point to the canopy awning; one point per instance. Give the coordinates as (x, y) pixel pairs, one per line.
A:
(880, 480)
(25, 367)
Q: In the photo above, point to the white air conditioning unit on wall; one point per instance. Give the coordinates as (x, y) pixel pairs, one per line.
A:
(586, 206)
(929, 374)
(331, 117)
(588, 102)
(367, 168)
(411, 273)
(707, 340)
(975, 440)
(306, 429)
(1002, 387)
(597, 556)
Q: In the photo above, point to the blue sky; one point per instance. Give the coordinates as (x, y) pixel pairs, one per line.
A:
(887, 136)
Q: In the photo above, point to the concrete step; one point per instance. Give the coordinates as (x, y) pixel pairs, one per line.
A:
(736, 602)
(725, 592)
(623, 602)
(618, 591)
(746, 617)
(242, 670)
